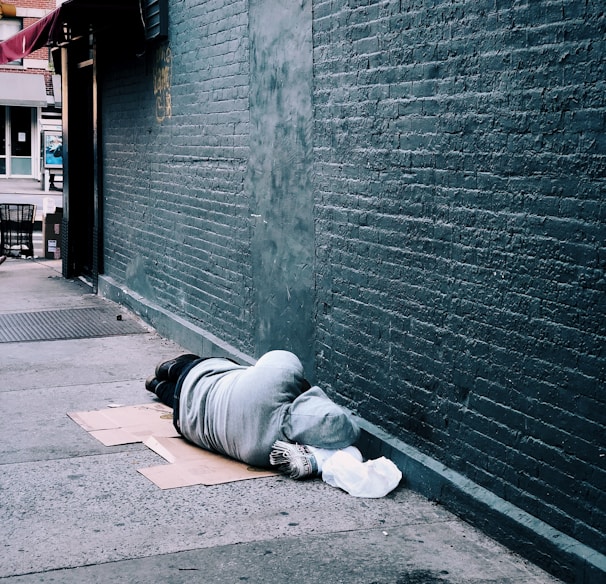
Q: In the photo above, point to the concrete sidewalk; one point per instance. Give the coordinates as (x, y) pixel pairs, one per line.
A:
(74, 510)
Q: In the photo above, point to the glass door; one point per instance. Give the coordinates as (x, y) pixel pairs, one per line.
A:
(2, 140)
(21, 141)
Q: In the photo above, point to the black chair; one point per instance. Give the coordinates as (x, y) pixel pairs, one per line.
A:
(16, 229)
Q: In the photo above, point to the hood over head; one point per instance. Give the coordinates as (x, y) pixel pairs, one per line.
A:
(315, 420)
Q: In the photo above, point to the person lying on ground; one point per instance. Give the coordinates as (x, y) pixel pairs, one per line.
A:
(263, 414)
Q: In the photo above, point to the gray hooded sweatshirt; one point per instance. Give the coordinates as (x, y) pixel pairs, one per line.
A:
(240, 411)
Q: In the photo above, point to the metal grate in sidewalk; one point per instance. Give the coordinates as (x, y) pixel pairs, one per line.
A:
(71, 323)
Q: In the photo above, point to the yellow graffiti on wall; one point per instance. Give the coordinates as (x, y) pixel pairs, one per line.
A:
(162, 83)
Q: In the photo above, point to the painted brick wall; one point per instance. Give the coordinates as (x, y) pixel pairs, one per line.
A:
(207, 166)
(176, 146)
(460, 180)
(458, 214)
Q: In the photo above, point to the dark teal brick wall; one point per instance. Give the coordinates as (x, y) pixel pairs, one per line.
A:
(460, 182)
(207, 172)
(176, 136)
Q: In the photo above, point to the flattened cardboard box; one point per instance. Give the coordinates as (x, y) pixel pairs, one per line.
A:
(152, 424)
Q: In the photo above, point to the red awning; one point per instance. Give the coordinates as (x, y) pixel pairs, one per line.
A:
(30, 39)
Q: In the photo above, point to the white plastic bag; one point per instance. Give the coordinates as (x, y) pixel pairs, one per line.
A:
(323, 454)
(371, 479)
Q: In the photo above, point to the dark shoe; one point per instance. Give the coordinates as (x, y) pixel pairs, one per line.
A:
(161, 389)
(151, 383)
(170, 370)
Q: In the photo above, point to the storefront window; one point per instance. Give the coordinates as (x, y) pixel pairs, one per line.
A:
(8, 28)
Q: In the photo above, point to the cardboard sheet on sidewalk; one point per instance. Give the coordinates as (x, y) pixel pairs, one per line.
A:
(127, 424)
(152, 424)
